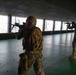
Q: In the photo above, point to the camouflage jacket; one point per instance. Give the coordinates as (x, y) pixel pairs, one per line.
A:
(33, 42)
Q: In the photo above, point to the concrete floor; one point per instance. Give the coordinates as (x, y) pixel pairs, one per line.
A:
(56, 51)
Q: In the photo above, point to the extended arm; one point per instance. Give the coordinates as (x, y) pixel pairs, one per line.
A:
(21, 33)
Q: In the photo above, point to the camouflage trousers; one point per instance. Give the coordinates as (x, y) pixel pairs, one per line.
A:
(73, 46)
(27, 61)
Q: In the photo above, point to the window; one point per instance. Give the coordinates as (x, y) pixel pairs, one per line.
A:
(57, 25)
(40, 24)
(19, 20)
(3, 24)
(48, 25)
(64, 26)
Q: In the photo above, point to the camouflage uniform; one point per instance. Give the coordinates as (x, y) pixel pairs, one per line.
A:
(33, 51)
(74, 41)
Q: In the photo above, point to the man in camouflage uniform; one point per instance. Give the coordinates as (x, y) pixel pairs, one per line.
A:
(33, 48)
(74, 39)
(74, 42)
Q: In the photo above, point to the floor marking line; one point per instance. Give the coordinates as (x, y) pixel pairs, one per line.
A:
(55, 63)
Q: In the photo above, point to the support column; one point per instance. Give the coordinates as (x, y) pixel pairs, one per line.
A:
(43, 25)
(9, 23)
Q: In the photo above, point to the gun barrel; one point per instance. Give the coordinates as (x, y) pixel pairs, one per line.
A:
(18, 25)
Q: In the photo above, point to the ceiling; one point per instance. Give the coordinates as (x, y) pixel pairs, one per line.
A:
(67, 4)
(38, 7)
